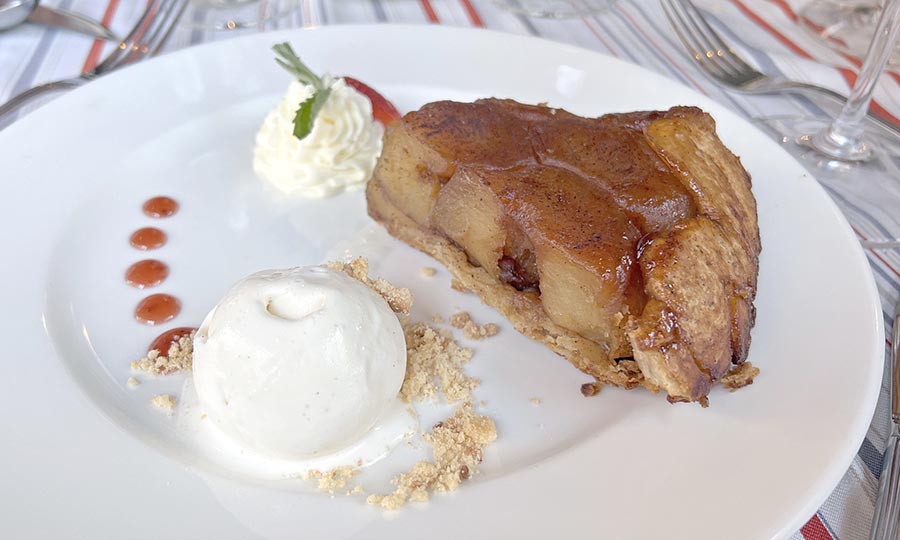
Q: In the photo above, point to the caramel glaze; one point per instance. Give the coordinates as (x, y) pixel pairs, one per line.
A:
(609, 153)
(146, 273)
(148, 238)
(160, 207)
(165, 340)
(157, 309)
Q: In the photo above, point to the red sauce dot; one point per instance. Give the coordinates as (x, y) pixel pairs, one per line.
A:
(160, 207)
(157, 309)
(148, 238)
(146, 273)
(164, 340)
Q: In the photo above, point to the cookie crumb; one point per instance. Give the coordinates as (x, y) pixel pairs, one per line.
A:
(458, 445)
(535, 401)
(457, 285)
(132, 382)
(428, 271)
(470, 329)
(482, 404)
(434, 363)
(740, 376)
(333, 480)
(357, 490)
(437, 319)
(203, 416)
(400, 299)
(164, 402)
(591, 388)
(179, 357)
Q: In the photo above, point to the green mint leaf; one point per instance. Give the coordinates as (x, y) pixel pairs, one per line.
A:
(291, 62)
(305, 117)
(307, 112)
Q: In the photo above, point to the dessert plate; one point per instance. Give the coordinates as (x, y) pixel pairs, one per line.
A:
(86, 456)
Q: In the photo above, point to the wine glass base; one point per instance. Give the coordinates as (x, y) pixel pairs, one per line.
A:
(869, 189)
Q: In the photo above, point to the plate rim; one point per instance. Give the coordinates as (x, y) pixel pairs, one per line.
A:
(831, 480)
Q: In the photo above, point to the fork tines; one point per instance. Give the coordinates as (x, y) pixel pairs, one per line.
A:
(148, 35)
(707, 47)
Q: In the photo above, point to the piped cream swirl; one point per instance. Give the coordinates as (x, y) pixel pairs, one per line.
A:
(338, 154)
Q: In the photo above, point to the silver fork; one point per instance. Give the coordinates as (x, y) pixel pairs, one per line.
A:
(146, 38)
(723, 65)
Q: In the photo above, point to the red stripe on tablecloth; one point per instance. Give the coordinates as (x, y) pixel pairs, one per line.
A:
(306, 11)
(93, 57)
(599, 36)
(786, 9)
(769, 28)
(815, 530)
(793, 16)
(472, 13)
(848, 75)
(850, 58)
(891, 268)
(875, 253)
(430, 14)
(649, 39)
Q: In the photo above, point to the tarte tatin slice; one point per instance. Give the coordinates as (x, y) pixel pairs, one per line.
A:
(627, 243)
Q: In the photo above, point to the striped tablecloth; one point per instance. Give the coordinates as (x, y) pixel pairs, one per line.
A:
(636, 31)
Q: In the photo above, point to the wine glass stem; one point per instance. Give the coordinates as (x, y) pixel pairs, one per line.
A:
(843, 139)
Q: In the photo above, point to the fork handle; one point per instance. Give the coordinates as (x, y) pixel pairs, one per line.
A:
(28, 95)
(887, 509)
(804, 89)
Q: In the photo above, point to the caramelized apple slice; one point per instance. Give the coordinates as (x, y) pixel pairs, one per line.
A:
(411, 172)
(583, 248)
(468, 212)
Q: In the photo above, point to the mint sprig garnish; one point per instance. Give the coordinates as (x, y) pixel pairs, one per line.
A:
(305, 117)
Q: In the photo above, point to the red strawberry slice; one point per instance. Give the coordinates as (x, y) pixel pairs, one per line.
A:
(382, 109)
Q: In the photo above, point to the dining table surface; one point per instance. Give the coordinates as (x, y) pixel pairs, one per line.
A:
(768, 32)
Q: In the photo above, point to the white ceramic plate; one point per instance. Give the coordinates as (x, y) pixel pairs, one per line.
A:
(84, 456)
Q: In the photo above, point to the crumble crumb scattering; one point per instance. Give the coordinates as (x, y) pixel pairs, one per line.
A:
(357, 490)
(178, 358)
(132, 382)
(535, 401)
(437, 319)
(458, 444)
(470, 329)
(400, 299)
(740, 376)
(164, 402)
(434, 363)
(333, 480)
(428, 271)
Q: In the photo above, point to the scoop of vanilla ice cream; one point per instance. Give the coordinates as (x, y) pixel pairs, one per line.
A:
(300, 362)
(339, 153)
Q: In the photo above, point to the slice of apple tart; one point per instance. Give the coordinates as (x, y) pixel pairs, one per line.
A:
(627, 243)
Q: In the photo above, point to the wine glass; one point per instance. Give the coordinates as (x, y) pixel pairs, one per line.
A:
(237, 14)
(856, 166)
(844, 25)
(555, 9)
